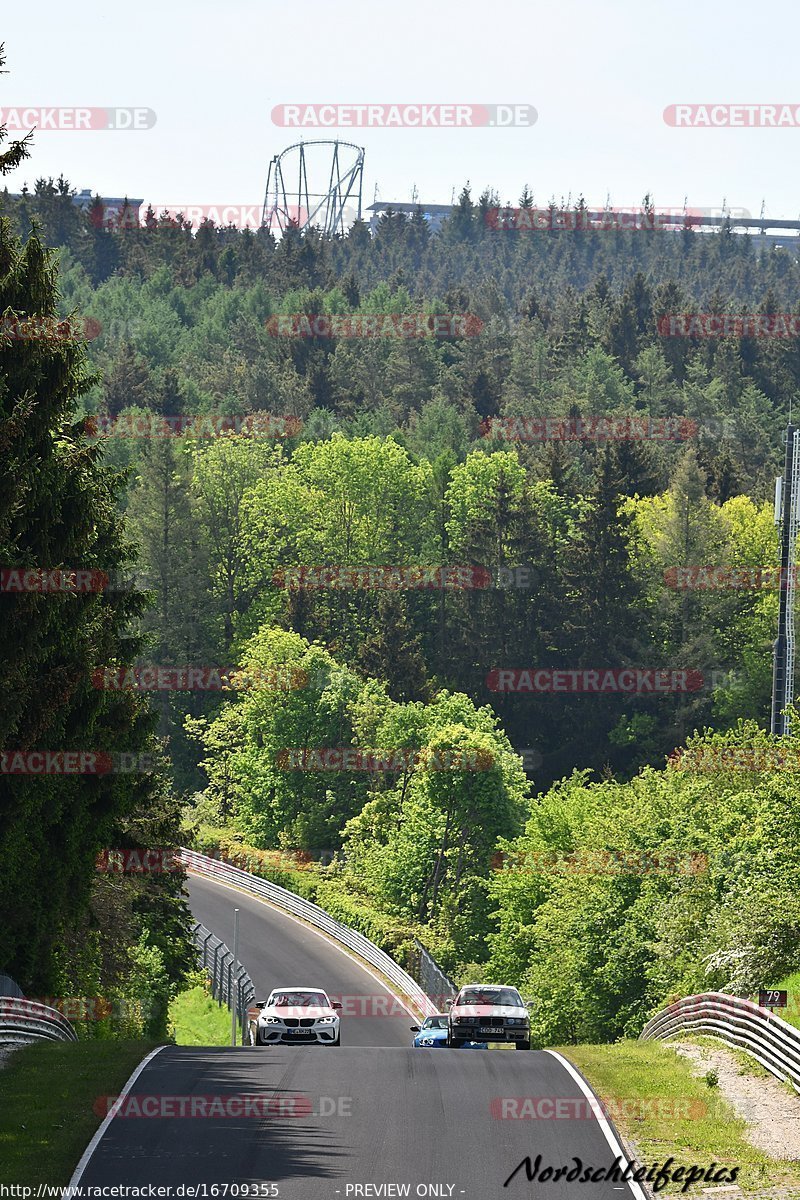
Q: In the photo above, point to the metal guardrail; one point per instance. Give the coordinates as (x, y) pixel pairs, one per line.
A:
(23, 1021)
(407, 988)
(740, 1024)
(228, 988)
(437, 986)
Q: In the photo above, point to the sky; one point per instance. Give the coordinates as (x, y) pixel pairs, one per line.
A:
(598, 75)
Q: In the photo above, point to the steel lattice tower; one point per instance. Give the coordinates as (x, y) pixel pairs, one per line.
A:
(787, 514)
(338, 165)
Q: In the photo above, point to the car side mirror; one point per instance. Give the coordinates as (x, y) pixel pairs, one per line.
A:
(336, 1004)
(261, 1004)
(414, 1028)
(530, 1002)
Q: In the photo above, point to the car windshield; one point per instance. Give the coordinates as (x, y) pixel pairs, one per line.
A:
(286, 999)
(435, 1023)
(489, 995)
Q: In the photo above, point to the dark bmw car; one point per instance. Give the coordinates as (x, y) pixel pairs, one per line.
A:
(486, 1012)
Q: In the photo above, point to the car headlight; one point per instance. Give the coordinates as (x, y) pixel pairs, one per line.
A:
(461, 1020)
(272, 1020)
(516, 1021)
(326, 1020)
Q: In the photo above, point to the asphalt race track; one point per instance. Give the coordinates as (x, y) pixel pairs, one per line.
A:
(279, 951)
(334, 1123)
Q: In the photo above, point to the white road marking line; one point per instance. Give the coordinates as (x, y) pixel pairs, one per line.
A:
(601, 1120)
(90, 1149)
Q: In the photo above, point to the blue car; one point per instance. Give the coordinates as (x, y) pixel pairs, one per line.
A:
(433, 1032)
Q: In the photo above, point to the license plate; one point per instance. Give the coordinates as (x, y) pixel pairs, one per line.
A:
(297, 1032)
(489, 1029)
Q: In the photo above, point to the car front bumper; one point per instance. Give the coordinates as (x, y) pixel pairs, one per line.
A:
(323, 1035)
(482, 1033)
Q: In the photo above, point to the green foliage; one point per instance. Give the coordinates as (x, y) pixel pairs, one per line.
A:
(196, 1019)
(250, 746)
(59, 510)
(412, 452)
(620, 896)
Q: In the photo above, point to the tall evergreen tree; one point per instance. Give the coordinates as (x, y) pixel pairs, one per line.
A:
(57, 512)
(391, 651)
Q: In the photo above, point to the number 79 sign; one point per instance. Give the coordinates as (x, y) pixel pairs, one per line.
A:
(773, 999)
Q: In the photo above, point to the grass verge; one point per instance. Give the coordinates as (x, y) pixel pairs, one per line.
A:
(663, 1111)
(47, 1093)
(196, 1019)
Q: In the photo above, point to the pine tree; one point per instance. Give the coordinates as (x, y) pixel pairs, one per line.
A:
(16, 151)
(170, 551)
(58, 510)
(128, 382)
(606, 626)
(391, 651)
(638, 468)
(174, 558)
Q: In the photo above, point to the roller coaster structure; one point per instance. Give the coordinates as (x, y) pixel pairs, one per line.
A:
(307, 205)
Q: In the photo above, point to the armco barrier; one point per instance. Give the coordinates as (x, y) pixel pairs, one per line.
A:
(429, 975)
(217, 961)
(23, 1021)
(740, 1024)
(406, 987)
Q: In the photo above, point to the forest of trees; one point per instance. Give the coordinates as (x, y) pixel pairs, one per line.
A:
(67, 930)
(418, 452)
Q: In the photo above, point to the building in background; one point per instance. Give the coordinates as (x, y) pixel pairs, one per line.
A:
(113, 207)
(771, 231)
(434, 214)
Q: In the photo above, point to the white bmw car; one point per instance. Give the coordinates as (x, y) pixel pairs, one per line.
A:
(296, 1015)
